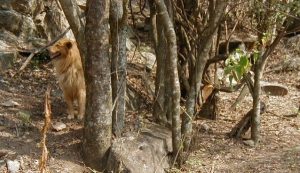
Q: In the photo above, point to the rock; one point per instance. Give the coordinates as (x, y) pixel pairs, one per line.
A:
(26, 7)
(25, 26)
(296, 149)
(13, 166)
(59, 126)
(19, 25)
(249, 143)
(133, 99)
(205, 128)
(55, 22)
(147, 152)
(150, 59)
(129, 44)
(130, 33)
(10, 103)
(6, 60)
(15, 21)
(10, 42)
(291, 63)
(81, 4)
(293, 45)
(274, 89)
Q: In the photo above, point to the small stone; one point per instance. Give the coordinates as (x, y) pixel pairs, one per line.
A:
(296, 149)
(249, 143)
(13, 166)
(10, 103)
(59, 126)
(205, 127)
(274, 89)
(150, 59)
(36, 162)
(129, 44)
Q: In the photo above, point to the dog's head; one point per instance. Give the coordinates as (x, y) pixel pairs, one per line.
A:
(60, 49)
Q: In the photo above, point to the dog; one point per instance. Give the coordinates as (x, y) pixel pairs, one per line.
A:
(66, 59)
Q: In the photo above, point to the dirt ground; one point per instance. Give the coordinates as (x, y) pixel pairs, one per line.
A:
(212, 150)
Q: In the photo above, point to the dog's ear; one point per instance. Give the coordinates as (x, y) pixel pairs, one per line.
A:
(69, 44)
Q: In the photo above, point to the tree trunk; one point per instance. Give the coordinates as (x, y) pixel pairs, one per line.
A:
(159, 109)
(98, 119)
(258, 72)
(153, 22)
(173, 75)
(255, 120)
(118, 23)
(71, 11)
(264, 26)
(205, 43)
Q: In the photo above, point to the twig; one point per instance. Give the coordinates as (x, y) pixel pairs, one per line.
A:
(47, 122)
(36, 51)
(160, 162)
(142, 8)
(132, 15)
(213, 167)
(17, 131)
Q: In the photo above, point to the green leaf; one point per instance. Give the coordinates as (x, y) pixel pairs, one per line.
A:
(228, 70)
(239, 72)
(244, 61)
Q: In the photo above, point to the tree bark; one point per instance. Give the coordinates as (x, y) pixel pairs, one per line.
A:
(118, 23)
(71, 11)
(258, 72)
(159, 109)
(173, 75)
(264, 26)
(205, 43)
(98, 119)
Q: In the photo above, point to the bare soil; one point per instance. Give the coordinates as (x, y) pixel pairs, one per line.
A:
(212, 150)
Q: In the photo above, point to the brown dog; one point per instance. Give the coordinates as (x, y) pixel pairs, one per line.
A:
(67, 62)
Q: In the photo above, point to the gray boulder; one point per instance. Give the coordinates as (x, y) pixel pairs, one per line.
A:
(145, 152)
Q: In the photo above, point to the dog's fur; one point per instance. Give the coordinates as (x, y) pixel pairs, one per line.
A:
(67, 62)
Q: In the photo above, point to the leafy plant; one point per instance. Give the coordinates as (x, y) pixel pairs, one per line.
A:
(237, 64)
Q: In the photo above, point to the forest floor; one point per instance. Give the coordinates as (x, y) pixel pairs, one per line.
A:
(22, 118)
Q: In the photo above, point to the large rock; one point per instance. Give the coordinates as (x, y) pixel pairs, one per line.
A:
(146, 152)
(292, 44)
(6, 60)
(54, 22)
(29, 24)
(10, 21)
(26, 7)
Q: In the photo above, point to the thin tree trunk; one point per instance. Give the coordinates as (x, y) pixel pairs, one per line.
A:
(258, 72)
(173, 74)
(153, 22)
(98, 119)
(196, 79)
(159, 109)
(255, 120)
(118, 23)
(71, 11)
